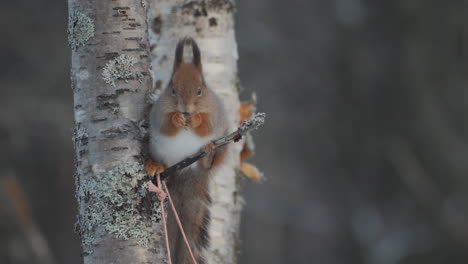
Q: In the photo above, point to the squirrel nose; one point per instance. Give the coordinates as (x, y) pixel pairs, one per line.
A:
(186, 113)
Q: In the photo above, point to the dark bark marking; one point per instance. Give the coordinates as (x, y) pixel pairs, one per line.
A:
(110, 33)
(213, 22)
(157, 24)
(133, 49)
(134, 38)
(121, 131)
(158, 84)
(122, 91)
(121, 8)
(200, 8)
(82, 152)
(118, 148)
(134, 24)
(108, 102)
(108, 56)
(98, 119)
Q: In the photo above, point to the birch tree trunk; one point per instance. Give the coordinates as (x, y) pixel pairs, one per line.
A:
(119, 221)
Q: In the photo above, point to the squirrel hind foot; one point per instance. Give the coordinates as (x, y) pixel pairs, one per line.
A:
(152, 167)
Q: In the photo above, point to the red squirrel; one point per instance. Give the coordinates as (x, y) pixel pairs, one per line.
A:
(186, 117)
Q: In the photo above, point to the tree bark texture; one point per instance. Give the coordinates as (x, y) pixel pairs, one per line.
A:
(108, 133)
(118, 220)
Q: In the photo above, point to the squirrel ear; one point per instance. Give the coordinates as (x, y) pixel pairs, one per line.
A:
(179, 53)
(195, 51)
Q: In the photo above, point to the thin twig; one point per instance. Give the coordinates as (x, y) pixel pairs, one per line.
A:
(246, 126)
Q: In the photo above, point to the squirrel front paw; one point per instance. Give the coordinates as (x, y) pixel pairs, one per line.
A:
(178, 119)
(209, 147)
(207, 161)
(195, 120)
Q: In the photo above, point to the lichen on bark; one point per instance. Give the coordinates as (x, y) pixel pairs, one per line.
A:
(80, 29)
(120, 68)
(80, 134)
(117, 202)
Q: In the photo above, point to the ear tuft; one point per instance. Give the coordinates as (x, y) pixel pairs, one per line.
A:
(179, 52)
(196, 59)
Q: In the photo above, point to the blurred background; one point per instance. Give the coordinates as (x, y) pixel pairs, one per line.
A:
(365, 146)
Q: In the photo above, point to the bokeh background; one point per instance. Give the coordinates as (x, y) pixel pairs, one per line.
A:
(365, 147)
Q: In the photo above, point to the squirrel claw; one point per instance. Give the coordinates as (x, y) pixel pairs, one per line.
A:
(178, 119)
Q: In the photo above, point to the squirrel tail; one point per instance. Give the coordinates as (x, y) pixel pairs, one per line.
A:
(192, 203)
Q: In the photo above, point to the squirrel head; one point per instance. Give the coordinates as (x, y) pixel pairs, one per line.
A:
(187, 91)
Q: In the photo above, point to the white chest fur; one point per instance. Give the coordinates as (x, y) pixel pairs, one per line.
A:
(174, 149)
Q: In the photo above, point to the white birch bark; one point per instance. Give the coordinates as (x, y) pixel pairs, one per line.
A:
(111, 81)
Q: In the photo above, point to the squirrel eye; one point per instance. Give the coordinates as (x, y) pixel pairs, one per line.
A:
(199, 91)
(173, 92)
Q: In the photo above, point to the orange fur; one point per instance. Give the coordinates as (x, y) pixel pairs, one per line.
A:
(172, 123)
(246, 110)
(199, 122)
(245, 152)
(207, 161)
(251, 171)
(213, 159)
(153, 167)
(219, 156)
(205, 128)
(187, 73)
(195, 120)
